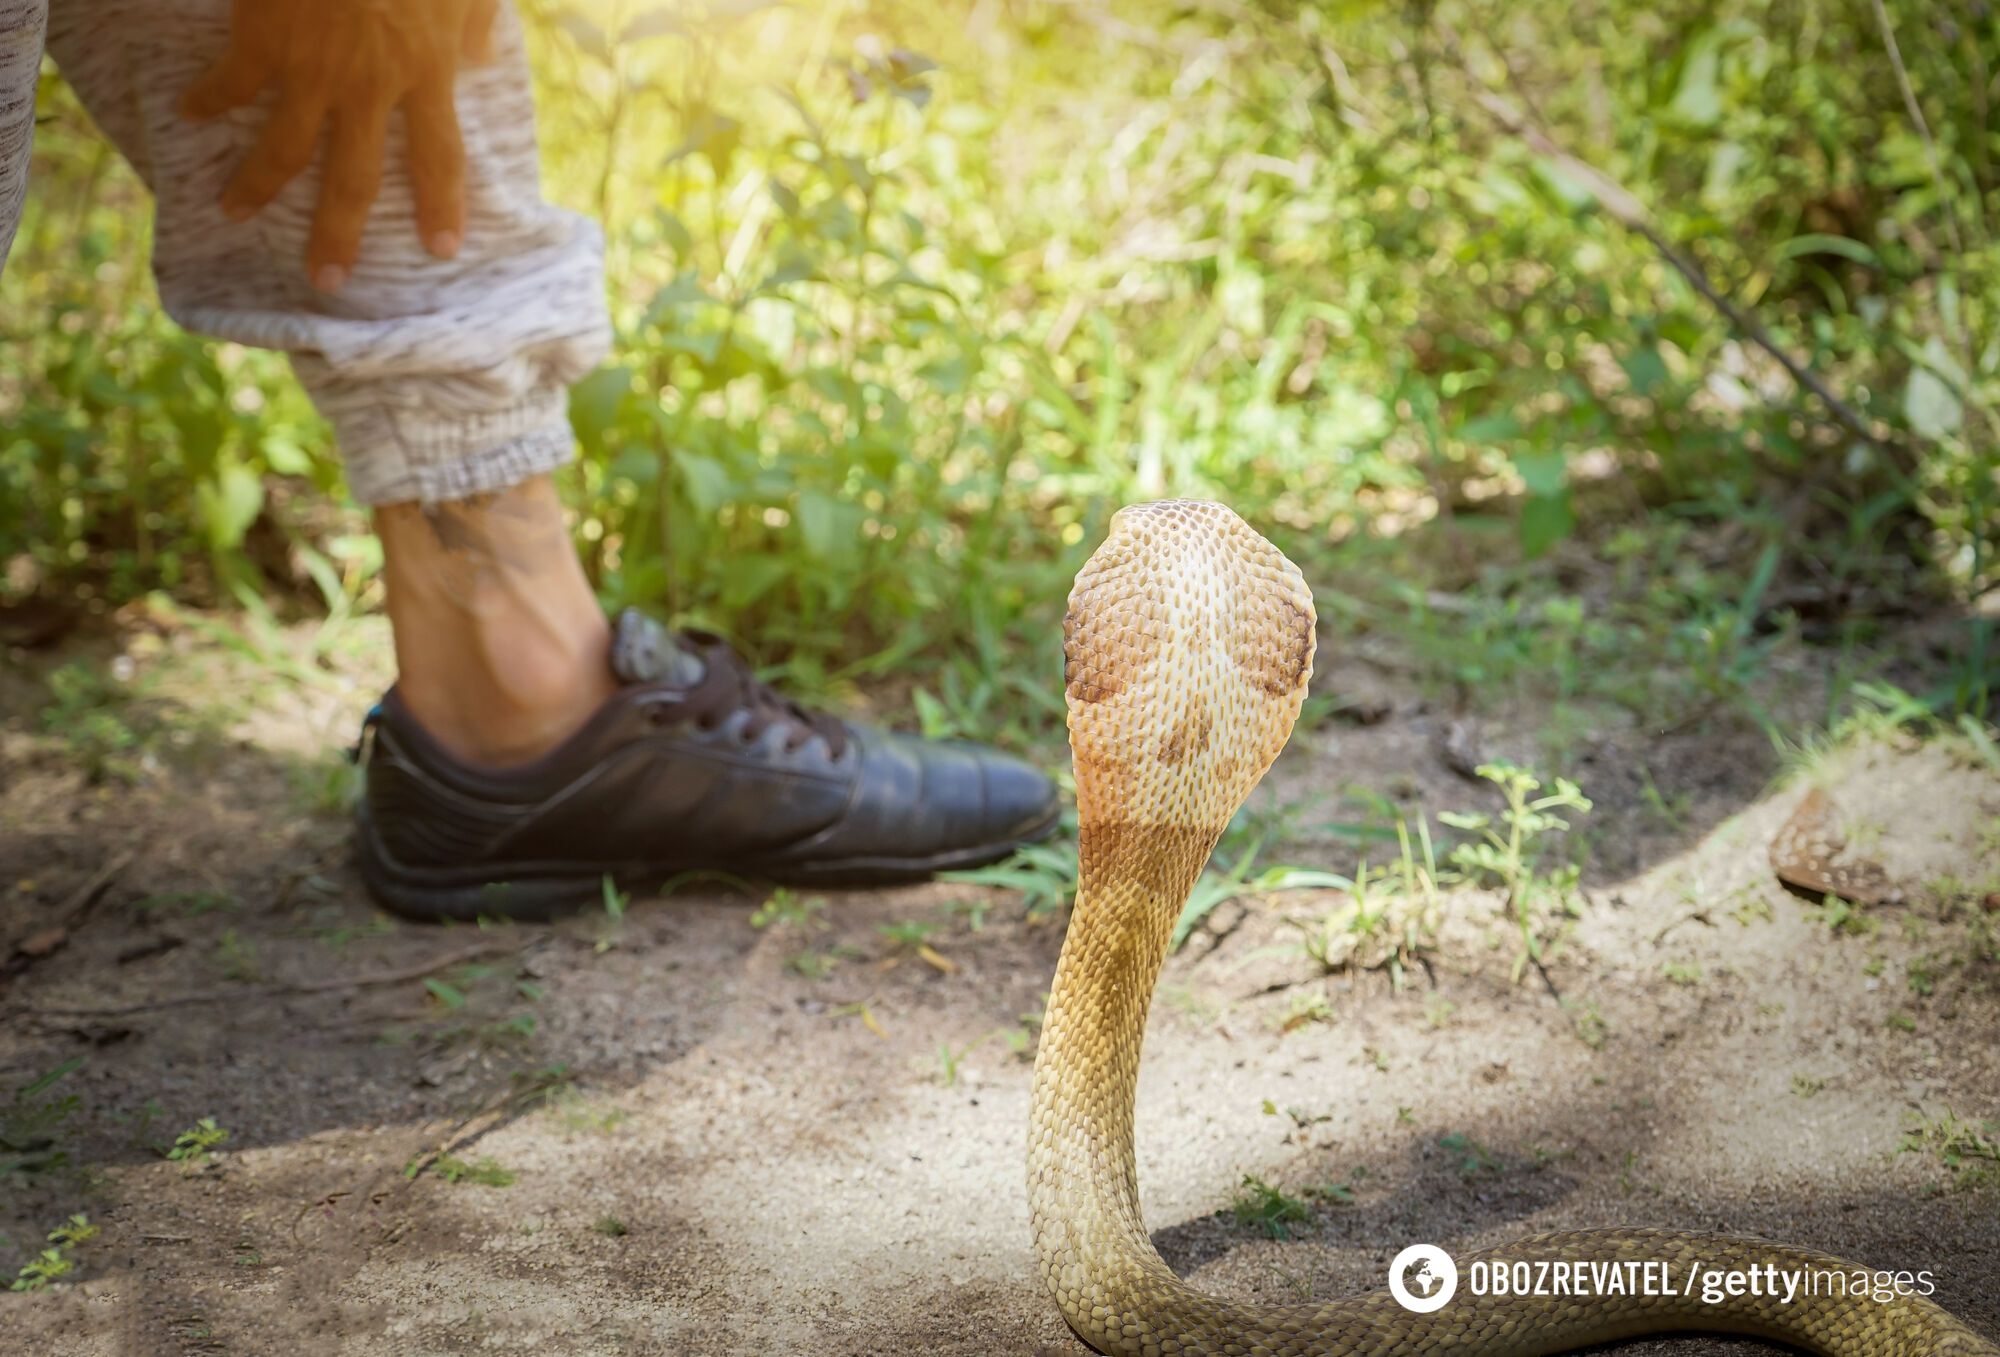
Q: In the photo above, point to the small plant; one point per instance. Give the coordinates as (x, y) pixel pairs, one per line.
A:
(1917, 974)
(55, 1262)
(1473, 1157)
(787, 909)
(1586, 1022)
(580, 1114)
(611, 1227)
(1970, 1151)
(1339, 1194)
(1902, 1022)
(813, 965)
(615, 903)
(912, 935)
(1268, 1208)
(194, 1145)
(236, 955)
(1751, 908)
(1298, 1115)
(1020, 1038)
(1509, 853)
(84, 712)
(1806, 1086)
(1306, 1006)
(1846, 917)
(486, 1171)
(1682, 972)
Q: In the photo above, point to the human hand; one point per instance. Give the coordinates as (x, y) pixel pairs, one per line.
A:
(349, 63)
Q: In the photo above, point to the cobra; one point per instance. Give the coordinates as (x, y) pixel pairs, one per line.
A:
(1187, 649)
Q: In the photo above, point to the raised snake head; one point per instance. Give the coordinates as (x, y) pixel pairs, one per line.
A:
(1187, 649)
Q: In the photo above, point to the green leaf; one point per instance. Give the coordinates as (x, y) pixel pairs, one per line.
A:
(751, 575)
(674, 231)
(594, 401)
(1490, 429)
(706, 481)
(1697, 100)
(1545, 521)
(1825, 244)
(283, 455)
(1543, 472)
(229, 504)
(60, 1072)
(713, 136)
(1645, 369)
(828, 526)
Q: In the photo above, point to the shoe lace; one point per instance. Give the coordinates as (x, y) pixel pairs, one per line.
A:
(731, 685)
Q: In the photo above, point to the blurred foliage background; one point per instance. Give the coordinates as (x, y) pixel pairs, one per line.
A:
(910, 296)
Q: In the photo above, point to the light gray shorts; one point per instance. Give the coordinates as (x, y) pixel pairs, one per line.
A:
(442, 378)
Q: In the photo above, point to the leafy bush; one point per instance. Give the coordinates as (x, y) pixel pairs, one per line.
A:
(895, 331)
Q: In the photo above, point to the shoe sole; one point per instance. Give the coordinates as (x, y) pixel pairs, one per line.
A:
(533, 892)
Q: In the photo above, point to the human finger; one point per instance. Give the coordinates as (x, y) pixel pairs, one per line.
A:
(437, 165)
(347, 191)
(283, 150)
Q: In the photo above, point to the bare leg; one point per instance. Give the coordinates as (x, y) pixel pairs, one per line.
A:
(501, 647)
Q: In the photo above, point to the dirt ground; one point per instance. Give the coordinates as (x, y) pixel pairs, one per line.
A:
(667, 1139)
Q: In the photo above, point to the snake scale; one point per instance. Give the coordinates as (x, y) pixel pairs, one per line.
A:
(1187, 649)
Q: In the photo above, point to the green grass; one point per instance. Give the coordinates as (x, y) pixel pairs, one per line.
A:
(1968, 1151)
(1471, 1158)
(1270, 1209)
(32, 1122)
(485, 1171)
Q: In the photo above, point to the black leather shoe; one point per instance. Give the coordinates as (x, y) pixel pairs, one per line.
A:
(693, 764)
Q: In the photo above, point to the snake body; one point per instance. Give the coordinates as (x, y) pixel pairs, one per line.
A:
(1187, 649)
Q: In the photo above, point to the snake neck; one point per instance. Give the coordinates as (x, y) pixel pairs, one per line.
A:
(1083, 1186)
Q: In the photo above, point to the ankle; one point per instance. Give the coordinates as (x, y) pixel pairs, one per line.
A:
(501, 648)
(504, 694)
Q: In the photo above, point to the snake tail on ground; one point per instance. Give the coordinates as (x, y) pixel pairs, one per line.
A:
(1187, 649)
